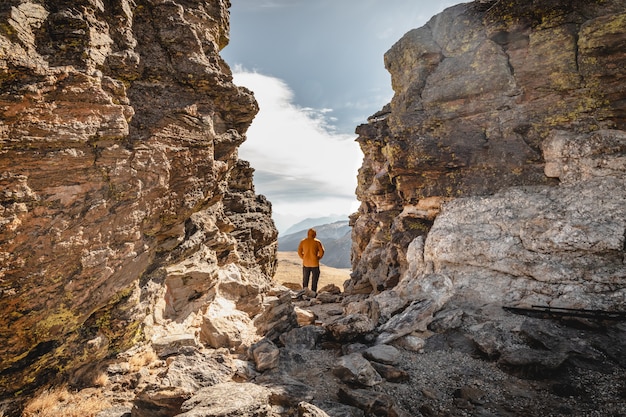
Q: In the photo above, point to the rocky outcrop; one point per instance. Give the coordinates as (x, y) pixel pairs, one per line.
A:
(497, 169)
(495, 177)
(125, 213)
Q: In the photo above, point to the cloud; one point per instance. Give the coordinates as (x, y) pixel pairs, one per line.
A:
(301, 164)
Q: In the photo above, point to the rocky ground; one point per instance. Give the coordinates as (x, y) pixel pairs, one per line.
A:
(571, 368)
(451, 377)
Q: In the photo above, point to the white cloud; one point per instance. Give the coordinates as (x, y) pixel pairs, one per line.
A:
(300, 165)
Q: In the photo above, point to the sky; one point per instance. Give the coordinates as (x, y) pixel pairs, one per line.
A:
(316, 69)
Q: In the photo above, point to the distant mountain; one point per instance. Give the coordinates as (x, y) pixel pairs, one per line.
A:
(336, 237)
(284, 221)
(314, 222)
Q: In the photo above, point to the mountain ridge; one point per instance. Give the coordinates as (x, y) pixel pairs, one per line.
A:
(309, 222)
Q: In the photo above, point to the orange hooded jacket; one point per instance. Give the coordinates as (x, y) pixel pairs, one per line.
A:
(311, 250)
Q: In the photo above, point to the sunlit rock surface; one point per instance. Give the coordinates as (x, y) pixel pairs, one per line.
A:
(125, 213)
(499, 162)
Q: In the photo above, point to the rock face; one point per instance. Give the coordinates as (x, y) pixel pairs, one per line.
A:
(125, 213)
(500, 164)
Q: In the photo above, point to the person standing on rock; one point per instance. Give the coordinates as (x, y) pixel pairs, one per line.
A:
(310, 251)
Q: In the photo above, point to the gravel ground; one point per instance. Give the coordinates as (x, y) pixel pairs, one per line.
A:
(456, 384)
(446, 382)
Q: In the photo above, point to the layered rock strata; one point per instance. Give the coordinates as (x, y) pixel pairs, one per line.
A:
(499, 165)
(125, 213)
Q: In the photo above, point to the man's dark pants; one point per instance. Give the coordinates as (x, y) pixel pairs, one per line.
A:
(308, 271)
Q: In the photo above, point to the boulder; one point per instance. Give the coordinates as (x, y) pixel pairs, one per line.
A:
(304, 317)
(372, 403)
(415, 317)
(527, 246)
(182, 377)
(351, 327)
(172, 344)
(286, 391)
(277, 316)
(411, 343)
(160, 402)
(266, 355)
(355, 369)
(367, 306)
(306, 337)
(331, 289)
(195, 370)
(382, 353)
(229, 399)
(225, 326)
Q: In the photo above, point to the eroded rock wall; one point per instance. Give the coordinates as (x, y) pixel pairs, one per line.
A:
(125, 212)
(499, 163)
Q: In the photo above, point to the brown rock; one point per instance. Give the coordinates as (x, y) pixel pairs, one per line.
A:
(124, 205)
(391, 373)
(309, 410)
(164, 402)
(305, 317)
(330, 288)
(266, 355)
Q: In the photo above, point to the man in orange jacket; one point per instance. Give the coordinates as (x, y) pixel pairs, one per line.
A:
(310, 251)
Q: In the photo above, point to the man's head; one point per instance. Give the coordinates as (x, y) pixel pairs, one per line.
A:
(312, 233)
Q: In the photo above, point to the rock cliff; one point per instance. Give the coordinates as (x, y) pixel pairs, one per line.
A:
(499, 165)
(125, 213)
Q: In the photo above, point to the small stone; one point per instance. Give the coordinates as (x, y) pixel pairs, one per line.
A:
(170, 345)
(382, 353)
(330, 288)
(470, 394)
(355, 369)
(410, 342)
(309, 410)
(304, 317)
(391, 373)
(266, 355)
